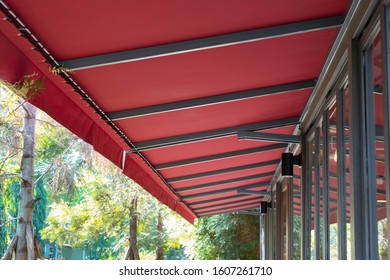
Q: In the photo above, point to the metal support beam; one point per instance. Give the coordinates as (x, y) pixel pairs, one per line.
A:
(218, 199)
(269, 137)
(226, 211)
(246, 200)
(270, 233)
(220, 156)
(223, 171)
(216, 192)
(251, 192)
(317, 196)
(262, 222)
(248, 204)
(203, 43)
(306, 201)
(248, 213)
(212, 134)
(210, 100)
(341, 180)
(359, 213)
(279, 236)
(212, 184)
(289, 210)
(325, 190)
(385, 29)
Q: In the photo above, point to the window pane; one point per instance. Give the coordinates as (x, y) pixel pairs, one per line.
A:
(333, 181)
(377, 86)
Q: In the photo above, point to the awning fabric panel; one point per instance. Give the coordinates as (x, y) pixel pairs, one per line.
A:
(214, 165)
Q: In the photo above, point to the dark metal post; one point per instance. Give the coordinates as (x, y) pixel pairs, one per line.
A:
(341, 188)
(289, 218)
(263, 213)
(279, 222)
(364, 241)
(270, 232)
(317, 197)
(370, 175)
(385, 28)
(325, 190)
(306, 200)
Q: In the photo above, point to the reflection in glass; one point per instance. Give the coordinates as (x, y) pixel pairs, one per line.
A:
(377, 95)
(332, 150)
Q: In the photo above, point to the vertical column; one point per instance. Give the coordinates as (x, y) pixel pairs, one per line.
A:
(317, 224)
(279, 223)
(305, 200)
(263, 213)
(363, 197)
(370, 168)
(289, 218)
(341, 185)
(325, 191)
(385, 29)
(359, 244)
(270, 232)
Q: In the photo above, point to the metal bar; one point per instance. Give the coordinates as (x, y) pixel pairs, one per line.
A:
(270, 233)
(306, 201)
(274, 230)
(230, 202)
(251, 192)
(267, 237)
(252, 203)
(220, 156)
(212, 134)
(262, 235)
(325, 190)
(317, 224)
(248, 213)
(270, 137)
(210, 100)
(341, 182)
(370, 188)
(289, 219)
(212, 184)
(357, 154)
(385, 21)
(218, 199)
(226, 211)
(203, 43)
(223, 171)
(279, 222)
(203, 194)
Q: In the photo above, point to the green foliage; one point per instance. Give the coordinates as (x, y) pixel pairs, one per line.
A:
(296, 237)
(8, 211)
(3, 218)
(227, 236)
(40, 207)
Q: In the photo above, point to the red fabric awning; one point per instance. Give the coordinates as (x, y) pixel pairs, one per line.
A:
(184, 79)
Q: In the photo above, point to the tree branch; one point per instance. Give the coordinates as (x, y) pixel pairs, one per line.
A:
(54, 160)
(6, 222)
(31, 203)
(10, 175)
(11, 248)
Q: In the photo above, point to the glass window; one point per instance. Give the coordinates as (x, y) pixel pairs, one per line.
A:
(376, 96)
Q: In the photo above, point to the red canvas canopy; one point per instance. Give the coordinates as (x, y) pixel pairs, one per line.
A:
(163, 88)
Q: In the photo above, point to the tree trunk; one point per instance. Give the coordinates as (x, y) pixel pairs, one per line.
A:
(132, 253)
(23, 243)
(159, 251)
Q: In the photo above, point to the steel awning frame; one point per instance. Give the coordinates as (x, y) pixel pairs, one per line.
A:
(168, 194)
